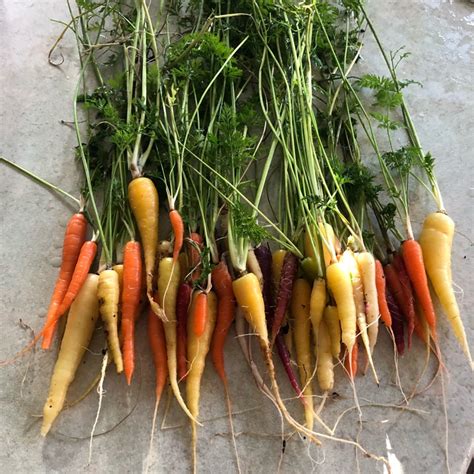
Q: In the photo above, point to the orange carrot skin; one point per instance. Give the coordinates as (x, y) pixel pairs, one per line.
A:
(200, 314)
(413, 259)
(132, 289)
(183, 301)
(381, 294)
(156, 339)
(222, 283)
(350, 363)
(74, 237)
(177, 225)
(407, 294)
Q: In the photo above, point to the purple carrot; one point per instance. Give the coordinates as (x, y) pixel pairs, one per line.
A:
(182, 304)
(407, 293)
(264, 258)
(285, 288)
(397, 322)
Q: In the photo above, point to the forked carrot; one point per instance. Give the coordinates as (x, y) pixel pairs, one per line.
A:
(74, 237)
(132, 288)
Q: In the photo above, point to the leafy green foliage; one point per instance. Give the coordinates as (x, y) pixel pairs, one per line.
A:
(402, 160)
(245, 224)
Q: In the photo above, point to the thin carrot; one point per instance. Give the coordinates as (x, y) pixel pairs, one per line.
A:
(132, 288)
(74, 237)
(397, 322)
(200, 313)
(413, 259)
(350, 362)
(380, 283)
(222, 283)
(157, 341)
(178, 230)
(183, 301)
(407, 294)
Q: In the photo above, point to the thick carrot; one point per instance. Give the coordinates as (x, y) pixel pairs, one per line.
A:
(339, 283)
(300, 301)
(317, 304)
(200, 313)
(407, 294)
(333, 327)
(143, 199)
(132, 288)
(77, 335)
(83, 266)
(178, 230)
(325, 365)
(436, 241)
(74, 237)
(413, 259)
(183, 301)
(198, 347)
(157, 341)
(285, 287)
(397, 322)
(381, 289)
(108, 294)
(350, 362)
(222, 283)
(168, 284)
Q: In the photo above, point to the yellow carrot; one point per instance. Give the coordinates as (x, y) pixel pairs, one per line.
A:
(436, 241)
(143, 199)
(317, 303)
(168, 283)
(338, 280)
(198, 347)
(80, 326)
(277, 263)
(119, 270)
(366, 263)
(350, 262)
(331, 319)
(299, 308)
(325, 366)
(108, 293)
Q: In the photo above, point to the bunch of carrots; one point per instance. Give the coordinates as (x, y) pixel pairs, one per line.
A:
(226, 108)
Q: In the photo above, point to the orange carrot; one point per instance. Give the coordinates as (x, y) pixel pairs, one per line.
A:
(381, 294)
(413, 259)
(74, 237)
(156, 338)
(222, 283)
(350, 362)
(200, 313)
(132, 289)
(178, 231)
(183, 301)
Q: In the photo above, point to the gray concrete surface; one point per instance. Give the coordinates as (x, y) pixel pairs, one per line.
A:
(34, 97)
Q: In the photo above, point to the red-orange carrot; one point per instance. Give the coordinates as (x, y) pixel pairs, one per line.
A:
(407, 294)
(222, 283)
(178, 230)
(182, 306)
(132, 288)
(200, 313)
(74, 237)
(350, 362)
(413, 259)
(156, 338)
(381, 294)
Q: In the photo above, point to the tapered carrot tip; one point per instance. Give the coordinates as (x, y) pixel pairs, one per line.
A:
(128, 374)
